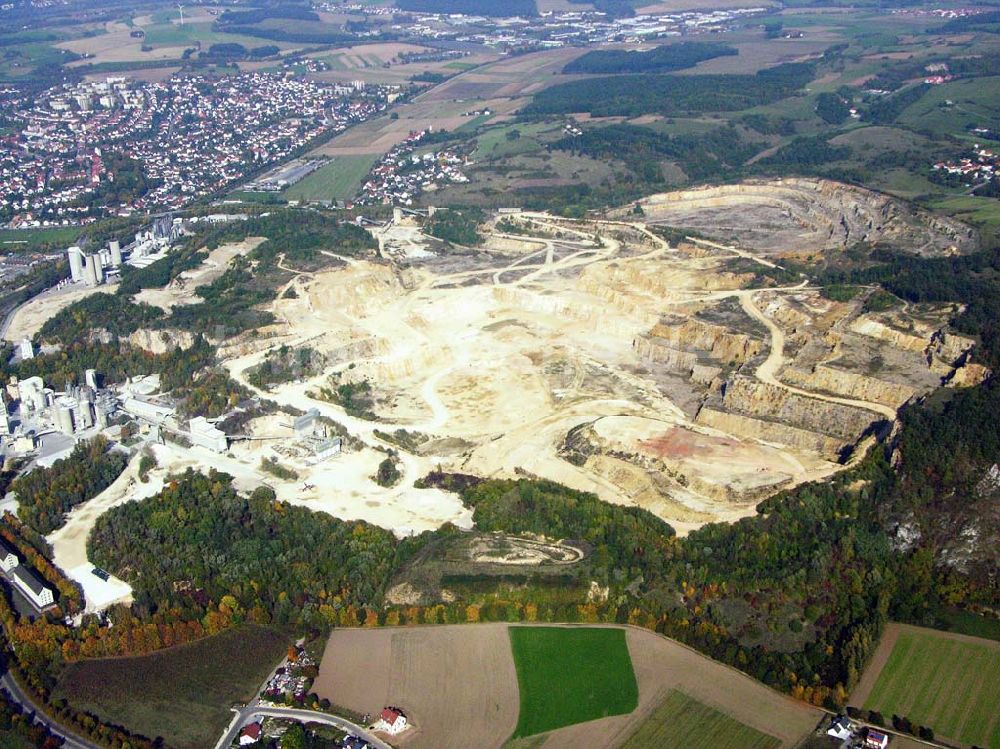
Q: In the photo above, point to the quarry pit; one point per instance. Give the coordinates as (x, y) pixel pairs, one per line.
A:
(661, 374)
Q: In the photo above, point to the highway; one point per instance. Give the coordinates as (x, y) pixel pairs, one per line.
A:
(72, 741)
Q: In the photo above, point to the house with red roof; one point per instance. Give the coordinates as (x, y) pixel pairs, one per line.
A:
(250, 734)
(391, 721)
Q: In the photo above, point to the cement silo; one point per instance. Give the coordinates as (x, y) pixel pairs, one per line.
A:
(75, 255)
(116, 253)
(63, 413)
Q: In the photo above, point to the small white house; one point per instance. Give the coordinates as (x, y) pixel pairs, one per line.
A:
(840, 728)
(390, 721)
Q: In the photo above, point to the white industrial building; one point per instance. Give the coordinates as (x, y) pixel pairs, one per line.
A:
(207, 435)
(28, 582)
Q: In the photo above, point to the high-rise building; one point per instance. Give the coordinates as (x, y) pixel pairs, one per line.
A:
(27, 349)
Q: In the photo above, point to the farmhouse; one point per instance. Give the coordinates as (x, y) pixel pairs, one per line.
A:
(876, 740)
(390, 721)
(28, 582)
(8, 559)
(840, 728)
(250, 734)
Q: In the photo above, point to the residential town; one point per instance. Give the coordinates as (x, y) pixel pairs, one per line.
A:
(172, 142)
(403, 174)
(553, 28)
(980, 166)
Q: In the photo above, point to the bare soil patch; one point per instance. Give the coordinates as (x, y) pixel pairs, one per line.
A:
(457, 684)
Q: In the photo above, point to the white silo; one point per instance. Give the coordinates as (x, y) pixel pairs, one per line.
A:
(75, 255)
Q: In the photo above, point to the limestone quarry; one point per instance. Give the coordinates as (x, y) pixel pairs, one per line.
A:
(597, 354)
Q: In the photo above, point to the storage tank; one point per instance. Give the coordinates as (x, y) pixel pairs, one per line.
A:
(75, 263)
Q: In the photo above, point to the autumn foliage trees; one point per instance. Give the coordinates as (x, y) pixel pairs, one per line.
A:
(45, 495)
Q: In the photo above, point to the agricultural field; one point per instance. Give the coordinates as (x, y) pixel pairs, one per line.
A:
(680, 721)
(415, 667)
(339, 180)
(567, 676)
(192, 684)
(937, 679)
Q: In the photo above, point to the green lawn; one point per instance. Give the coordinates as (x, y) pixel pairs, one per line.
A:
(339, 180)
(192, 685)
(680, 722)
(567, 676)
(33, 239)
(944, 683)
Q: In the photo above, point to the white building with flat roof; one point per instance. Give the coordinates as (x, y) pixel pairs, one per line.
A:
(206, 434)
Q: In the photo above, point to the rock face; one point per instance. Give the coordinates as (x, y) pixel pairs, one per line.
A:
(808, 214)
(160, 341)
(758, 429)
(754, 398)
(850, 385)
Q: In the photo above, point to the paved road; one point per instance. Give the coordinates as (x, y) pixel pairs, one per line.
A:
(17, 694)
(255, 710)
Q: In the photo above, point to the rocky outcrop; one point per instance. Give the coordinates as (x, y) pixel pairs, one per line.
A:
(740, 425)
(850, 385)
(714, 340)
(968, 376)
(160, 341)
(872, 328)
(762, 400)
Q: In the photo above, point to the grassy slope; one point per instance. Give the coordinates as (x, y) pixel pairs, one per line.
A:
(569, 676)
(680, 721)
(193, 684)
(942, 683)
(339, 180)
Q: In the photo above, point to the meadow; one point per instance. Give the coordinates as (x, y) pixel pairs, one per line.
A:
(339, 180)
(943, 681)
(571, 675)
(182, 694)
(681, 721)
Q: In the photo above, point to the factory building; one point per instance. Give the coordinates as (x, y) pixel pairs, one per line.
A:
(31, 391)
(207, 435)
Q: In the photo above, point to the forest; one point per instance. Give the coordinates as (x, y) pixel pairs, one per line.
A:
(265, 560)
(665, 58)
(635, 95)
(45, 495)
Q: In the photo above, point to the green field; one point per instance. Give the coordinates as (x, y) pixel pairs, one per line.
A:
(680, 721)
(568, 676)
(192, 685)
(944, 683)
(12, 240)
(339, 180)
